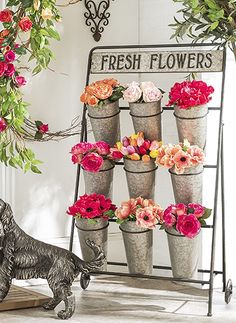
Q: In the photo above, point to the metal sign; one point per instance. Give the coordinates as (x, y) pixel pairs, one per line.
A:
(158, 61)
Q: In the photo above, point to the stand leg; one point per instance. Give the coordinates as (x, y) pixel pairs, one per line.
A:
(223, 214)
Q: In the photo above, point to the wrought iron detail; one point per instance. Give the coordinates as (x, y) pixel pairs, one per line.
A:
(97, 16)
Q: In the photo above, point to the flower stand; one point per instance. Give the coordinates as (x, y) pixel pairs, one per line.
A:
(105, 122)
(146, 117)
(140, 178)
(187, 187)
(192, 124)
(138, 247)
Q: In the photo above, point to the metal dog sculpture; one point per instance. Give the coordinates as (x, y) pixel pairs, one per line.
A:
(23, 257)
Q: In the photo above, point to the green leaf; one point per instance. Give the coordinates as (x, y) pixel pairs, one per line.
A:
(38, 123)
(214, 25)
(53, 33)
(207, 213)
(38, 135)
(35, 169)
(202, 221)
(27, 167)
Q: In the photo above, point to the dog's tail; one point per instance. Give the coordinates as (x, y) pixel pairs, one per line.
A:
(95, 263)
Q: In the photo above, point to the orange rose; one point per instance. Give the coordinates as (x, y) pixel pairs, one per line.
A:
(112, 82)
(90, 88)
(102, 91)
(4, 33)
(135, 156)
(145, 158)
(84, 97)
(92, 101)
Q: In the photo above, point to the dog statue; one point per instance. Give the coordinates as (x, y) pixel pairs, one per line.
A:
(23, 257)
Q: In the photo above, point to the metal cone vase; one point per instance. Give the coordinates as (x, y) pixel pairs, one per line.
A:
(140, 178)
(100, 182)
(96, 232)
(146, 117)
(184, 254)
(192, 124)
(138, 244)
(105, 122)
(187, 187)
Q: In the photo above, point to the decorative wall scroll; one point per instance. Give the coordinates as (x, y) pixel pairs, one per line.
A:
(159, 61)
(97, 16)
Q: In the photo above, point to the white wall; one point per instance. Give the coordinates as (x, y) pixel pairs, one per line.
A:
(41, 200)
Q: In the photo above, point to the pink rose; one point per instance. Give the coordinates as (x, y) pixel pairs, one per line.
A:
(169, 219)
(92, 162)
(3, 67)
(145, 218)
(180, 209)
(3, 124)
(43, 128)
(102, 147)
(10, 71)
(133, 93)
(150, 92)
(20, 81)
(127, 208)
(76, 159)
(10, 56)
(82, 148)
(198, 209)
(188, 225)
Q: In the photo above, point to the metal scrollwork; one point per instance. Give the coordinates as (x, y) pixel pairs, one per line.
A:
(97, 16)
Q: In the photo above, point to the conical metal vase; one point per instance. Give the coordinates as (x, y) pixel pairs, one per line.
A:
(184, 254)
(187, 187)
(100, 182)
(96, 232)
(146, 117)
(138, 244)
(140, 178)
(192, 124)
(105, 122)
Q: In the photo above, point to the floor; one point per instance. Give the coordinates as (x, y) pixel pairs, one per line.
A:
(122, 299)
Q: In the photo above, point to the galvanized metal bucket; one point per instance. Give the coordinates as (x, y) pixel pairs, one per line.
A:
(100, 182)
(138, 247)
(187, 187)
(184, 254)
(96, 232)
(105, 122)
(140, 178)
(192, 124)
(147, 118)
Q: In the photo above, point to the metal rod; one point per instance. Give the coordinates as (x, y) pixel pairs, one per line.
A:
(172, 108)
(223, 212)
(216, 192)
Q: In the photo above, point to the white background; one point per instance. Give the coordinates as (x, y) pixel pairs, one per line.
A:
(40, 201)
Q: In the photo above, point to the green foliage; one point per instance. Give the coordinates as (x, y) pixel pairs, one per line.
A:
(213, 20)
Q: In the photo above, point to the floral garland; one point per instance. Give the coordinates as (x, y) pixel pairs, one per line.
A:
(27, 28)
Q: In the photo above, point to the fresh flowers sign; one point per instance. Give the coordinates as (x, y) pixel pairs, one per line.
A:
(190, 94)
(180, 156)
(92, 206)
(102, 92)
(186, 219)
(143, 92)
(136, 147)
(144, 212)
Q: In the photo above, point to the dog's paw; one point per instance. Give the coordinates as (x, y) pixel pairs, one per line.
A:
(50, 305)
(65, 315)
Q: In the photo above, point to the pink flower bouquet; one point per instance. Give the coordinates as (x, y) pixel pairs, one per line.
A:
(181, 156)
(143, 92)
(92, 206)
(136, 147)
(186, 219)
(190, 94)
(144, 212)
(91, 155)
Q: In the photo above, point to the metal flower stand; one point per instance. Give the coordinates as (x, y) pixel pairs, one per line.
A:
(163, 60)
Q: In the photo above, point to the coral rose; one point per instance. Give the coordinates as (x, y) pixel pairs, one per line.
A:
(25, 24)
(145, 218)
(112, 82)
(92, 100)
(100, 90)
(92, 162)
(6, 16)
(188, 225)
(4, 33)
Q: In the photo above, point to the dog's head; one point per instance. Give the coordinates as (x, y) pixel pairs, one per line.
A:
(5, 216)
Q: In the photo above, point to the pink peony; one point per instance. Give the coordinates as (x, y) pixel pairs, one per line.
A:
(102, 147)
(9, 56)
(3, 67)
(10, 70)
(20, 81)
(197, 209)
(92, 162)
(145, 218)
(43, 128)
(127, 208)
(82, 148)
(152, 95)
(188, 225)
(133, 93)
(3, 124)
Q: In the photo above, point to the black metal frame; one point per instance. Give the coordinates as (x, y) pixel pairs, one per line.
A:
(219, 167)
